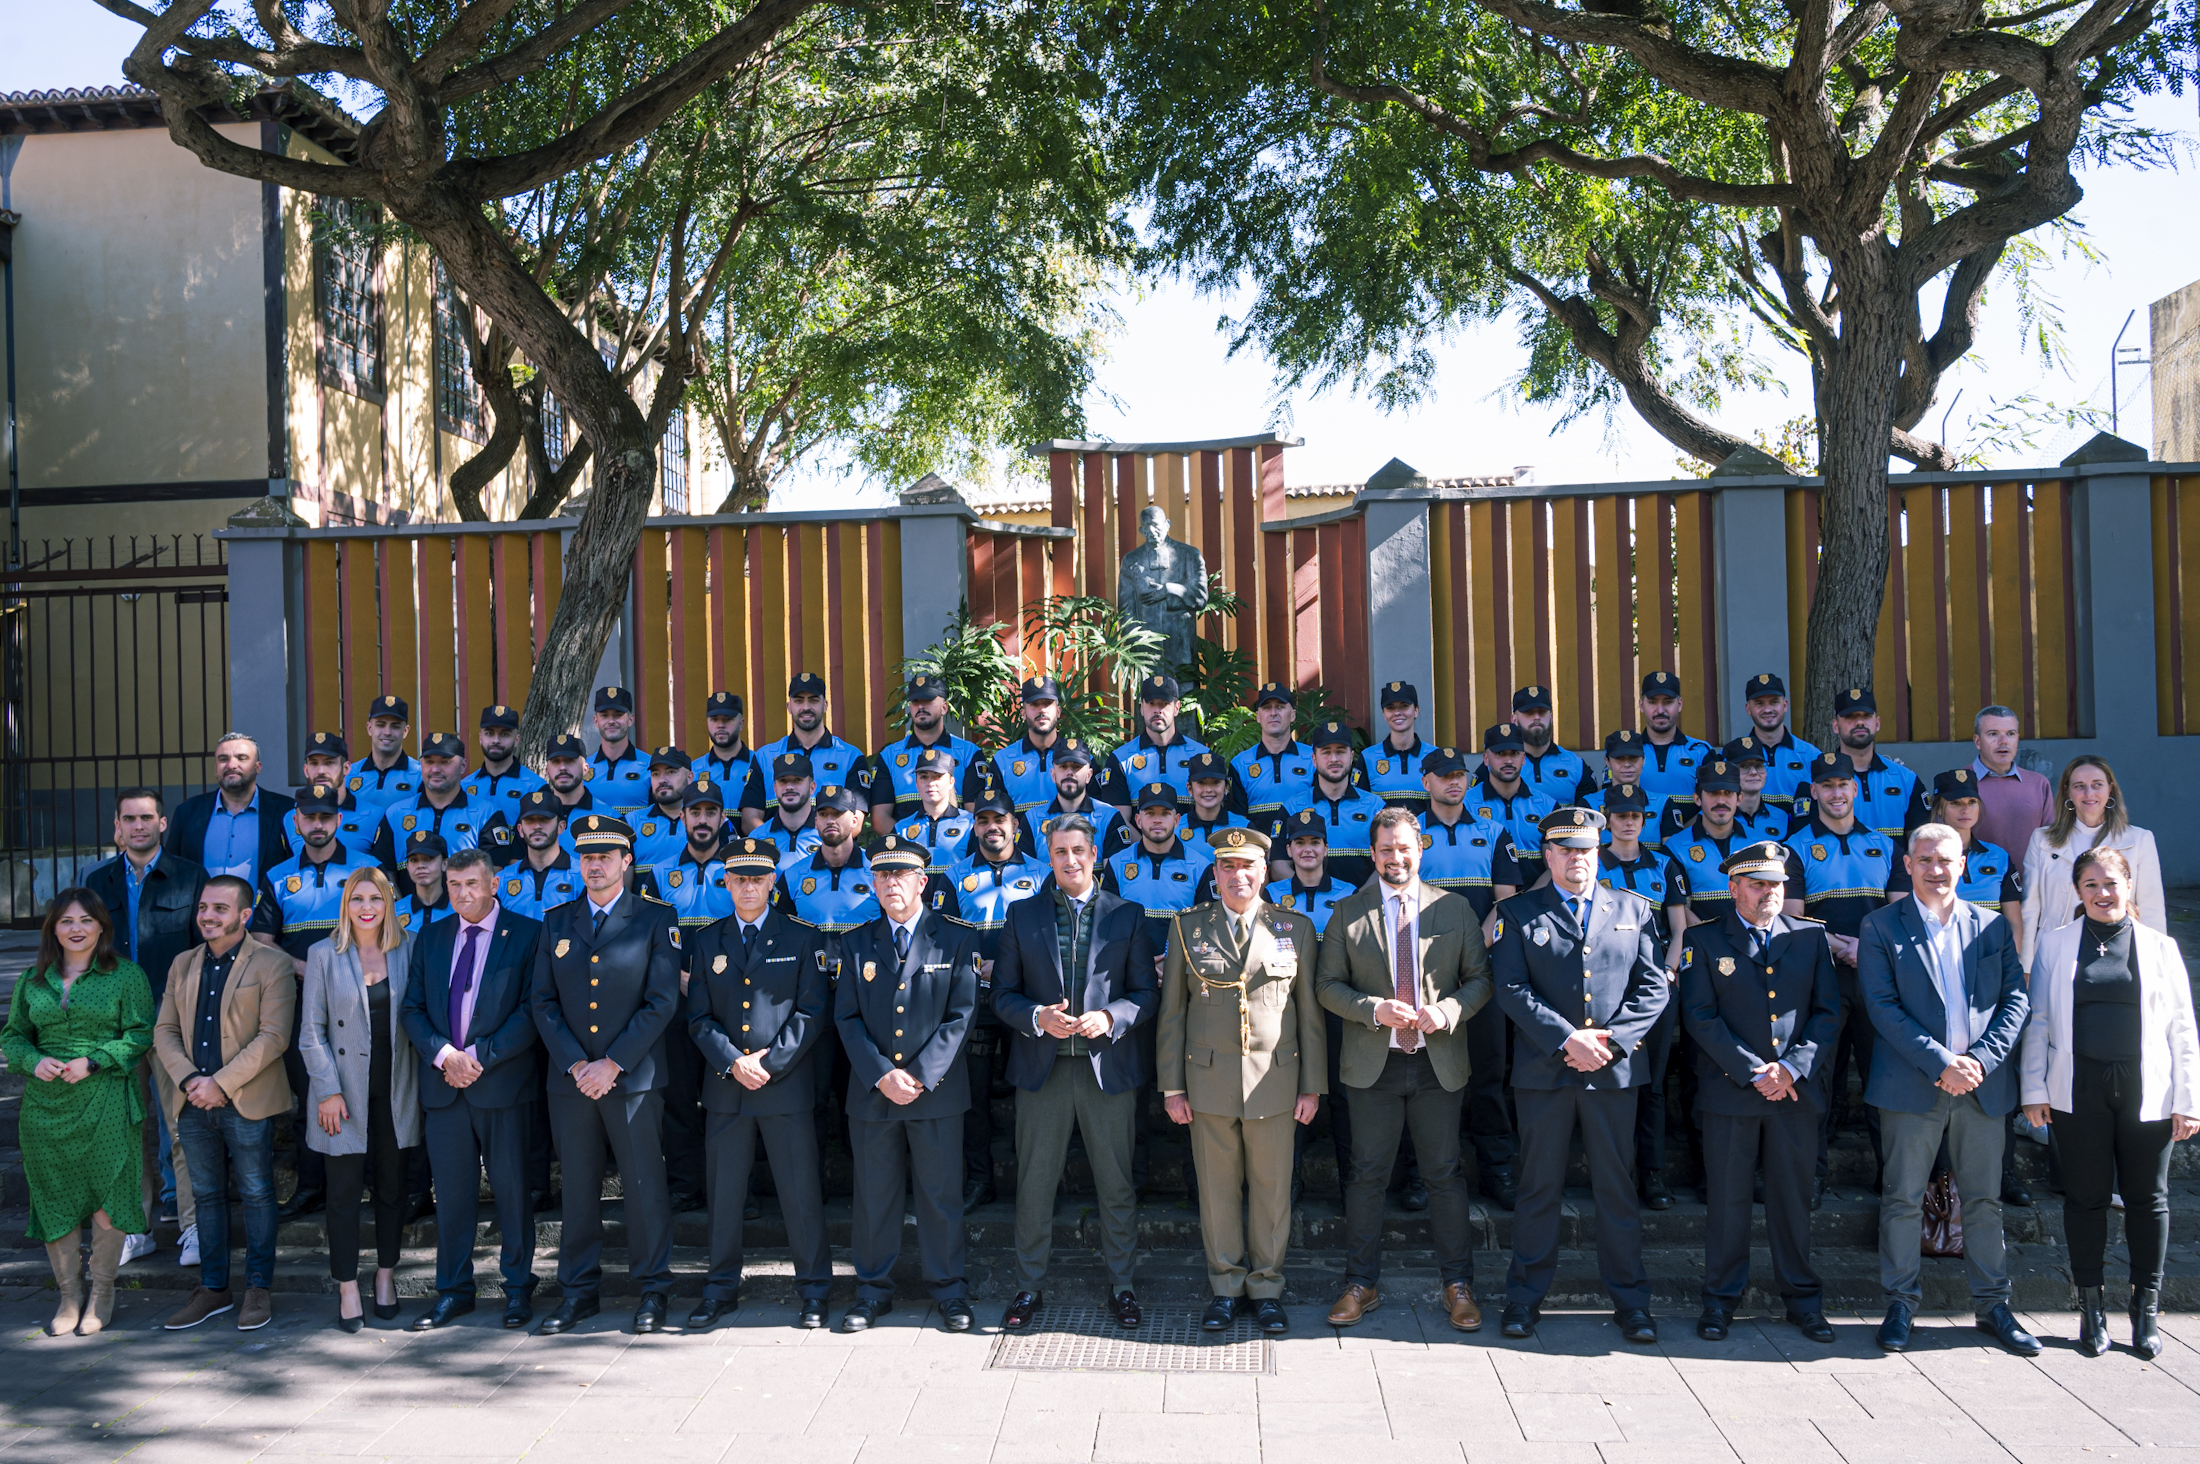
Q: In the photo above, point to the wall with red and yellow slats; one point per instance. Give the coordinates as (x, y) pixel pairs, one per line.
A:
(2176, 604)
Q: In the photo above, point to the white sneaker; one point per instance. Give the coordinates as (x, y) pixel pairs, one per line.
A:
(134, 1246)
(187, 1247)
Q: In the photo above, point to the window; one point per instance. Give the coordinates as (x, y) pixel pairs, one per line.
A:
(672, 463)
(458, 402)
(553, 430)
(349, 295)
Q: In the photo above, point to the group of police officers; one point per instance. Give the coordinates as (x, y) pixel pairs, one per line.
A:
(789, 864)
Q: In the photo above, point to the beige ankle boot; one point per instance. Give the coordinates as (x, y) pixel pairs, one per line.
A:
(62, 1256)
(106, 1256)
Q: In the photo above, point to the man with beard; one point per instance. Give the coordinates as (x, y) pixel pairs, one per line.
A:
(237, 824)
(728, 763)
(992, 874)
(792, 823)
(1026, 766)
(830, 885)
(385, 774)
(1670, 756)
(1623, 768)
(1391, 769)
(1158, 873)
(565, 783)
(1754, 815)
(1888, 796)
(1346, 810)
(324, 762)
(618, 773)
(1500, 796)
(501, 780)
(543, 876)
(1160, 753)
(927, 702)
(1072, 773)
(1695, 882)
(660, 831)
(833, 761)
(1549, 769)
(1276, 765)
(1787, 757)
(440, 807)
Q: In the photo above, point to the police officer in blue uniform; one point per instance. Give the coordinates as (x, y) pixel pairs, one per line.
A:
(1391, 768)
(324, 762)
(1549, 769)
(1671, 757)
(1157, 874)
(1207, 806)
(994, 872)
(830, 885)
(1694, 888)
(729, 763)
(385, 774)
(834, 761)
(926, 698)
(1990, 878)
(692, 882)
(1846, 867)
(1755, 816)
(1889, 799)
(1501, 796)
(425, 853)
(1623, 759)
(660, 829)
(542, 876)
(1073, 773)
(792, 822)
(1276, 764)
(938, 822)
(501, 780)
(1625, 864)
(605, 994)
(618, 772)
(1346, 810)
(759, 996)
(1160, 752)
(904, 997)
(1787, 757)
(1758, 996)
(1580, 977)
(441, 805)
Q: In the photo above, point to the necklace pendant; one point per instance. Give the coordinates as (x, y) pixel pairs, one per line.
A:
(2102, 948)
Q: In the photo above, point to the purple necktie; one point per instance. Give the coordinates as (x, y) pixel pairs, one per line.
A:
(462, 982)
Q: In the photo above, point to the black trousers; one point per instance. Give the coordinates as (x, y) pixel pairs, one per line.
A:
(2106, 1149)
(463, 1141)
(1784, 1138)
(1489, 1120)
(925, 1155)
(1657, 1053)
(628, 1126)
(1856, 1041)
(977, 1067)
(346, 1177)
(790, 1142)
(1606, 1119)
(1407, 1094)
(1337, 1110)
(682, 1127)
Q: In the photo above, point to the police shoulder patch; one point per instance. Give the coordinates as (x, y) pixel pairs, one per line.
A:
(1688, 958)
(1497, 931)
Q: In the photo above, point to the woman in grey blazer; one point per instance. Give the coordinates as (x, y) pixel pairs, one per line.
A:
(366, 1096)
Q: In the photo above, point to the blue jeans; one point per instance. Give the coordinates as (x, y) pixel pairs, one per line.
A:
(214, 1139)
(161, 1144)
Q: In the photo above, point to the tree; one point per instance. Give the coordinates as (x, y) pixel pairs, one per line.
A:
(1635, 177)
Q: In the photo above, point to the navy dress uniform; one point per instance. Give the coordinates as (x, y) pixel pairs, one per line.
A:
(1565, 963)
(1670, 767)
(761, 991)
(376, 788)
(1556, 773)
(1751, 996)
(608, 986)
(730, 773)
(620, 785)
(1264, 779)
(501, 792)
(904, 999)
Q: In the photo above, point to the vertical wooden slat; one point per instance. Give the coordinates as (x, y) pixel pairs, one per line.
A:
(654, 716)
(362, 643)
(848, 591)
(840, 704)
(1660, 559)
(1457, 611)
(887, 577)
(2028, 704)
(691, 686)
(808, 542)
(1036, 553)
(1927, 589)
(324, 639)
(1130, 500)
(2050, 545)
(515, 619)
(880, 672)
(1008, 597)
(769, 628)
(1584, 652)
(1615, 596)
(2180, 540)
(1890, 652)
(1329, 606)
(1275, 583)
(1704, 590)
(1210, 512)
(1355, 619)
(1545, 623)
(1099, 565)
(1970, 647)
(1690, 614)
(476, 624)
(1530, 587)
(549, 584)
(1485, 557)
(1444, 627)
(980, 572)
(401, 634)
(2006, 594)
(1306, 626)
(438, 651)
(1572, 634)
(1242, 567)
(2073, 714)
(1062, 514)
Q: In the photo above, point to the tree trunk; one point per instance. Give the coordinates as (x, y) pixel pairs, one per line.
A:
(1856, 418)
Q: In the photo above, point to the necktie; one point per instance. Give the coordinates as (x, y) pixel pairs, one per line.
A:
(1580, 909)
(748, 938)
(597, 928)
(901, 942)
(1404, 957)
(462, 982)
(1758, 939)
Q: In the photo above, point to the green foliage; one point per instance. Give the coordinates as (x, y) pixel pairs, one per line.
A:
(980, 673)
(1097, 654)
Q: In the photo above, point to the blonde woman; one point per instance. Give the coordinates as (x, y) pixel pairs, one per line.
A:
(2090, 813)
(361, 1086)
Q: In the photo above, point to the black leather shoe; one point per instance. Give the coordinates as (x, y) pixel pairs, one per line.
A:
(1498, 1187)
(687, 1203)
(305, 1202)
(1270, 1317)
(1655, 1196)
(571, 1312)
(1518, 1321)
(1019, 1313)
(2013, 1192)
(813, 1314)
(1219, 1314)
(1125, 1307)
(1894, 1331)
(2146, 1322)
(419, 1208)
(1714, 1324)
(2001, 1325)
(1813, 1325)
(519, 1307)
(709, 1310)
(858, 1318)
(1415, 1198)
(956, 1316)
(978, 1192)
(1636, 1325)
(545, 1202)
(1817, 1191)
(650, 1315)
(447, 1309)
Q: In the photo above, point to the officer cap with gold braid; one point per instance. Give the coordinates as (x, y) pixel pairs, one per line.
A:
(1573, 828)
(1765, 859)
(752, 856)
(600, 833)
(1244, 844)
(895, 853)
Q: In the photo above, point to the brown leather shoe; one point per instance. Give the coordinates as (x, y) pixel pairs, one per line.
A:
(1356, 1303)
(1459, 1301)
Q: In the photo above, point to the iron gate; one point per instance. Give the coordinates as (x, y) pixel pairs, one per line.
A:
(116, 676)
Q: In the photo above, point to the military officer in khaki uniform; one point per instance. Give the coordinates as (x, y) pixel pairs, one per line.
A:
(1242, 1058)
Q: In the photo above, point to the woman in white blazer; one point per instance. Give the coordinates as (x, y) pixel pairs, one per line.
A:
(363, 1086)
(2112, 1062)
(2090, 813)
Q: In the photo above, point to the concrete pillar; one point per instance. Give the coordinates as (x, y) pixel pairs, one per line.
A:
(2112, 520)
(935, 571)
(1749, 527)
(1401, 640)
(264, 694)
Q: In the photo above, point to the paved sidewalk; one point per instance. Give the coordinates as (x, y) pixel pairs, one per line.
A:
(1402, 1387)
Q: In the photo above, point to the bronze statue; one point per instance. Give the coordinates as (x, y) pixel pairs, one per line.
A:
(1163, 585)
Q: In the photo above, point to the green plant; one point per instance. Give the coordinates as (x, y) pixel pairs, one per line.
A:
(1097, 653)
(981, 676)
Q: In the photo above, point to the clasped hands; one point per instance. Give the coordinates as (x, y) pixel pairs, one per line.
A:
(1404, 1017)
(899, 1087)
(1179, 1107)
(460, 1070)
(1773, 1082)
(1588, 1049)
(1961, 1076)
(75, 1070)
(594, 1079)
(1055, 1021)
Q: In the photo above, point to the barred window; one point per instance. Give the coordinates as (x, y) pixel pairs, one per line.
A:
(349, 295)
(458, 401)
(553, 430)
(672, 463)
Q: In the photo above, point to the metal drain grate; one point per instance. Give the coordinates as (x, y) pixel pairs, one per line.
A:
(1086, 1339)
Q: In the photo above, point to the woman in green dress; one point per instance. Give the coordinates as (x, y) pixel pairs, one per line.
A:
(78, 1023)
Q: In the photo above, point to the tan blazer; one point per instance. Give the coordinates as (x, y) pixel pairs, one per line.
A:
(258, 1002)
(1356, 972)
(1200, 1038)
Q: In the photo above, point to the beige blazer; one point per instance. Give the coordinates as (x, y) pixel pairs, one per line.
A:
(1201, 1040)
(1356, 971)
(336, 1039)
(258, 1002)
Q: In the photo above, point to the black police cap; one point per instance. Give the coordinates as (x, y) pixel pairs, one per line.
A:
(1443, 761)
(1717, 773)
(992, 798)
(935, 760)
(1744, 749)
(542, 803)
(614, 699)
(327, 744)
(500, 715)
(1532, 699)
(791, 765)
(1955, 783)
(1504, 737)
(443, 744)
(1625, 798)
(389, 706)
(1073, 750)
(1206, 766)
(669, 757)
(1764, 683)
(1832, 767)
(924, 687)
(1400, 694)
(1305, 824)
(566, 746)
(722, 704)
(1157, 795)
(1623, 742)
(841, 799)
(806, 683)
(1159, 687)
(1041, 689)
(703, 791)
(425, 844)
(1573, 827)
(1331, 734)
(1854, 702)
(320, 798)
(1275, 691)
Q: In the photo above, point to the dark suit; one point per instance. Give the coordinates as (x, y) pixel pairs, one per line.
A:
(614, 994)
(186, 835)
(1896, 982)
(1553, 978)
(168, 909)
(1097, 1093)
(487, 1124)
(1742, 1012)
(912, 1015)
(770, 998)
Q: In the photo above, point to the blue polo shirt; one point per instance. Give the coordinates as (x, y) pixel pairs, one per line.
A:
(1844, 875)
(1787, 768)
(1558, 774)
(1470, 857)
(1315, 904)
(1026, 772)
(1265, 779)
(1670, 768)
(501, 792)
(1394, 776)
(376, 789)
(1142, 760)
(233, 840)
(899, 762)
(834, 763)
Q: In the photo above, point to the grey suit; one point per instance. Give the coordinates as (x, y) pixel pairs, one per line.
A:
(336, 1042)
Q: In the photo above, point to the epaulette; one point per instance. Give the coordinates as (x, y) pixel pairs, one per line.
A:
(955, 920)
(1807, 919)
(1635, 895)
(577, 899)
(794, 919)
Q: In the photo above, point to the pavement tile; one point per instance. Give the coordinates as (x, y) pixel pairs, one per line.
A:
(1779, 1442)
(1341, 1421)
(1393, 1326)
(1909, 1441)
(1912, 1398)
(1177, 1438)
(1107, 1393)
(1662, 1418)
(1618, 1372)
(1210, 1393)
(1565, 1418)
(467, 1430)
(659, 1446)
(816, 1449)
(917, 1448)
(1714, 1452)
(624, 1413)
(1480, 1415)
(1757, 1397)
(1364, 1451)
(1507, 1451)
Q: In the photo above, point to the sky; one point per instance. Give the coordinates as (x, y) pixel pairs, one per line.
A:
(1169, 375)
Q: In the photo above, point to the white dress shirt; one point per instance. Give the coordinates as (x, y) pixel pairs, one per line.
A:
(1946, 954)
(1405, 903)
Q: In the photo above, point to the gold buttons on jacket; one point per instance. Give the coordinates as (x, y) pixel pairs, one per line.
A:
(901, 1009)
(592, 960)
(897, 1057)
(744, 1006)
(744, 1026)
(897, 1031)
(591, 1006)
(591, 1029)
